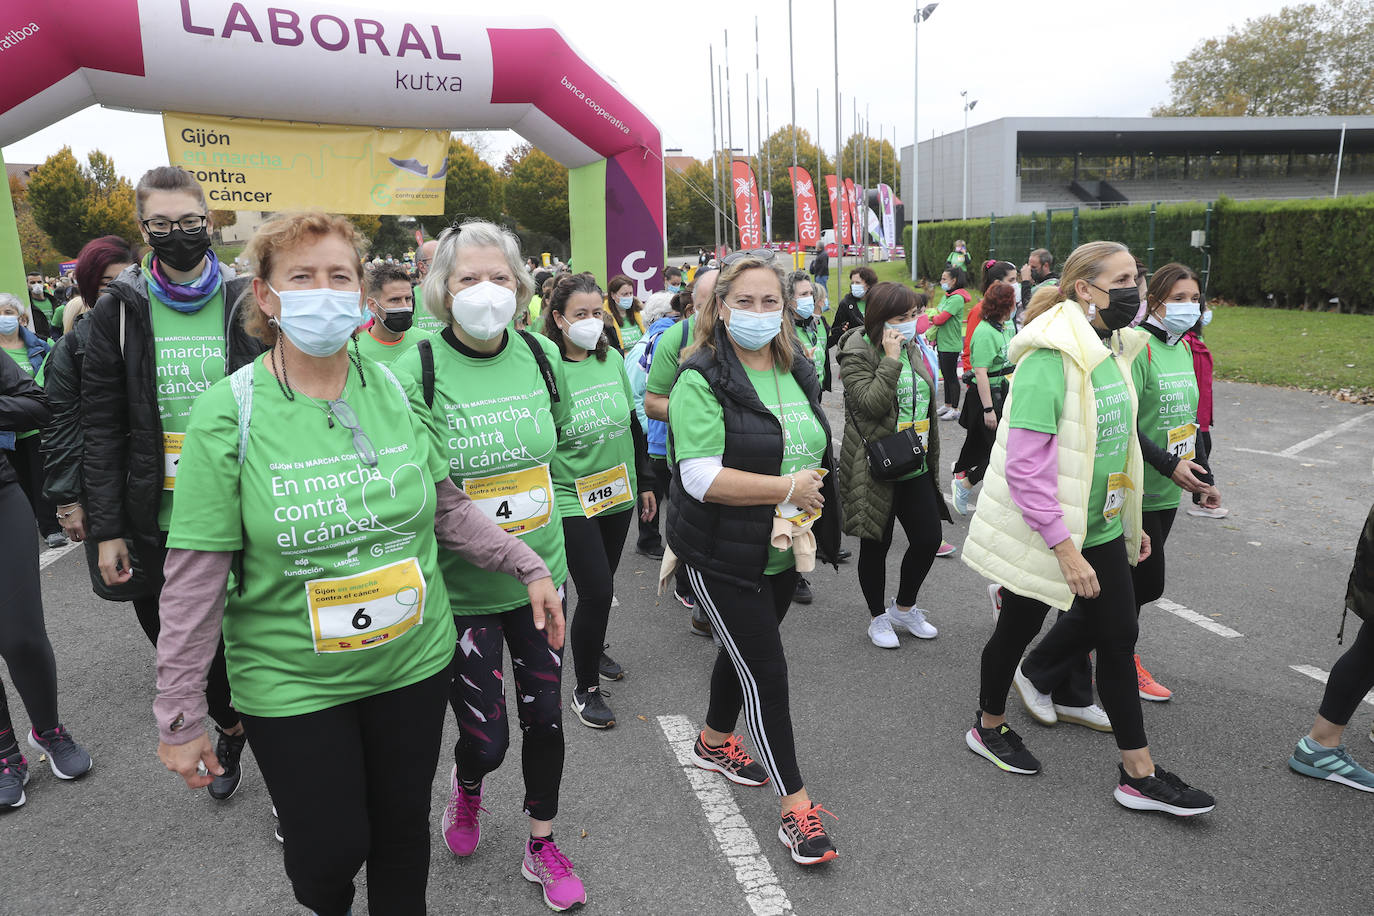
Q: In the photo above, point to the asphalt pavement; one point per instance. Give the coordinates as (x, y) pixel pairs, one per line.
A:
(923, 825)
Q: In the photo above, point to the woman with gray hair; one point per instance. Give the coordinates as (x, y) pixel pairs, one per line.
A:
(495, 397)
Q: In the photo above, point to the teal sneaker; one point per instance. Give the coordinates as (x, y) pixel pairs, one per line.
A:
(1333, 763)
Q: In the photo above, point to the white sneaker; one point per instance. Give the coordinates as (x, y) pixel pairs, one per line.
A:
(880, 632)
(995, 593)
(1038, 704)
(1091, 716)
(914, 620)
(1202, 512)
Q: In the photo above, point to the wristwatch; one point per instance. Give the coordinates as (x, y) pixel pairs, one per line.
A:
(988, 410)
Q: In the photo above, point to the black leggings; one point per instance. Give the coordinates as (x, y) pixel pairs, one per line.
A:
(649, 538)
(1106, 623)
(1351, 678)
(916, 506)
(593, 546)
(27, 460)
(1204, 438)
(345, 794)
(977, 449)
(949, 372)
(24, 641)
(1148, 576)
(751, 669)
(478, 697)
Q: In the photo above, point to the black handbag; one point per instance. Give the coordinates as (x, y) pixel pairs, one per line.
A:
(893, 456)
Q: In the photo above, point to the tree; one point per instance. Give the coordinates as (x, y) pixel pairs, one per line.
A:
(472, 189)
(36, 246)
(690, 210)
(74, 204)
(368, 225)
(537, 191)
(1303, 60)
(779, 148)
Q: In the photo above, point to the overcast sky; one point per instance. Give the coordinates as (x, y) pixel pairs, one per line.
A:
(1053, 58)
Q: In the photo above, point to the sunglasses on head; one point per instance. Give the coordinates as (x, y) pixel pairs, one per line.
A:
(758, 254)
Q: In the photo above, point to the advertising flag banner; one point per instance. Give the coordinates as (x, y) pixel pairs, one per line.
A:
(808, 212)
(252, 164)
(889, 215)
(839, 210)
(747, 208)
(856, 226)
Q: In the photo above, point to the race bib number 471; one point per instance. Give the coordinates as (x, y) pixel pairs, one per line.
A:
(367, 609)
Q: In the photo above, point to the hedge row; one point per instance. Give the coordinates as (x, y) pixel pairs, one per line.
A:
(1287, 254)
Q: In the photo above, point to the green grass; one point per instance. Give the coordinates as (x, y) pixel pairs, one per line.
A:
(227, 252)
(1313, 350)
(894, 271)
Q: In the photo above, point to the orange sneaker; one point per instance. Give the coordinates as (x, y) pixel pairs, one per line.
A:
(1150, 689)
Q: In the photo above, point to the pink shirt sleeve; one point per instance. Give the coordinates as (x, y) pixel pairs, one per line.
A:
(192, 609)
(1033, 479)
(462, 528)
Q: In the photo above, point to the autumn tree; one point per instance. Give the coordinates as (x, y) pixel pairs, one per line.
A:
(1306, 59)
(35, 245)
(536, 189)
(73, 203)
(472, 189)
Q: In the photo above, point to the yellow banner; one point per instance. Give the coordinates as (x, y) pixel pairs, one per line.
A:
(251, 164)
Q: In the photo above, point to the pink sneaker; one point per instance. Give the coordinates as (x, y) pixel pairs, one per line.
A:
(462, 833)
(547, 866)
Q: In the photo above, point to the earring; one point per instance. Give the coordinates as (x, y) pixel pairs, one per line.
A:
(273, 323)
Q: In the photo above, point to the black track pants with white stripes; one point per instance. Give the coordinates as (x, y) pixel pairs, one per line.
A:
(751, 670)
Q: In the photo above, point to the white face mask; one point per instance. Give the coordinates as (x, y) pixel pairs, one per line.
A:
(1016, 293)
(319, 321)
(585, 333)
(483, 309)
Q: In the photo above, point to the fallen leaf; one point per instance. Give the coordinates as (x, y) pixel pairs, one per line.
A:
(642, 718)
(584, 834)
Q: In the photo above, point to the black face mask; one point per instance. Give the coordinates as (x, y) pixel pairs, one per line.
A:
(1123, 305)
(181, 250)
(399, 322)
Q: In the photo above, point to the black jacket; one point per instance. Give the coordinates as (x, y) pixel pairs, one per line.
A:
(730, 543)
(121, 426)
(847, 317)
(62, 438)
(820, 266)
(23, 407)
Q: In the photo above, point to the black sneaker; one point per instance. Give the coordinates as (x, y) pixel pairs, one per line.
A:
(653, 553)
(730, 760)
(1003, 747)
(14, 775)
(67, 759)
(804, 836)
(803, 593)
(228, 749)
(609, 668)
(1161, 792)
(590, 706)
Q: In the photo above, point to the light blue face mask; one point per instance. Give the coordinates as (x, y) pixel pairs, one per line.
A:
(754, 330)
(857, 290)
(625, 302)
(1179, 317)
(944, 285)
(319, 321)
(907, 328)
(806, 306)
(9, 324)
(674, 289)
(1206, 317)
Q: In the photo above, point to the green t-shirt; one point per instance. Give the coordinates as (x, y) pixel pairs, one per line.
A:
(424, 321)
(20, 355)
(663, 372)
(499, 432)
(1037, 402)
(57, 318)
(913, 408)
(814, 343)
(188, 358)
(698, 424)
(340, 596)
(988, 348)
(630, 333)
(594, 467)
(1167, 387)
(373, 348)
(949, 337)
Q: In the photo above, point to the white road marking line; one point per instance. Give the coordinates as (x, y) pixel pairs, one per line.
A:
(1303, 458)
(1322, 437)
(735, 837)
(51, 556)
(1318, 674)
(1207, 623)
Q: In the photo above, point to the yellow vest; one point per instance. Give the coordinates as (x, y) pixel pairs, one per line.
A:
(1000, 545)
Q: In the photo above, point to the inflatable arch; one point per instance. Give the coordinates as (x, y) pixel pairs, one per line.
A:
(344, 62)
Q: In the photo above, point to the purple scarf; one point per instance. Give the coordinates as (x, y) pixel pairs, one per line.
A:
(187, 298)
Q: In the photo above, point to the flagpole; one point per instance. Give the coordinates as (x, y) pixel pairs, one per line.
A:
(792, 74)
(839, 144)
(715, 146)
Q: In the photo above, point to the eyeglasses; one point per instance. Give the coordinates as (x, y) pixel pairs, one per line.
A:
(159, 227)
(367, 452)
(758, 254)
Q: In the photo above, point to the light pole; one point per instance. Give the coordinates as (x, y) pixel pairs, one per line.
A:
(921, 16)
(968, 106)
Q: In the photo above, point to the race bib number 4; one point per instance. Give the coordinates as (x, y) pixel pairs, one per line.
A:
(366, 610)
(171, 457)
(604, 490)
(520, 501)
(1117, 485)
(1183, 441)
(794, 513)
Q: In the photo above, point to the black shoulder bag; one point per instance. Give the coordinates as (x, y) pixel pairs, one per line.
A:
(893, 456)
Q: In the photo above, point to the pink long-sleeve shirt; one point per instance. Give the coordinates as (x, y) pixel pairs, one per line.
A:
(192, 607)
(1033, 479)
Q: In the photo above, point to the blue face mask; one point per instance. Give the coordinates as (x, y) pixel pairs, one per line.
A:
(806, 306)
(319, 321)
(9, 324)
(857, 290)
(907, 328)
(625, 302)
(945, 285)
(674, 289)
(1180, 316)
(1206, 317)
(752, 330)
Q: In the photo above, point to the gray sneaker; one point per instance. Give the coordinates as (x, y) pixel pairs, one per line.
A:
(14, 774)
(67, 758)
(228, 749)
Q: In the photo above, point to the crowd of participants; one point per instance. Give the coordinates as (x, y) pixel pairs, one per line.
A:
(337, 498)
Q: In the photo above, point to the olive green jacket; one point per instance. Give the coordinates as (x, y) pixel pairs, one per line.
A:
(870, 391)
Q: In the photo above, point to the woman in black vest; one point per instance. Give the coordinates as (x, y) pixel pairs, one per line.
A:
(752, 451)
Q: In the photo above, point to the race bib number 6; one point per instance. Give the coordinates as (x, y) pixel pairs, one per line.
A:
(518, 501)
(367, 609)
(171, 457)
(604, 490)
(1117, 485)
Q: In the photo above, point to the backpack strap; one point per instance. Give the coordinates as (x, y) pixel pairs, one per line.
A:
(426, 349)
(122, 307)
(545, 369)
(241, 383)
(395, 382)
